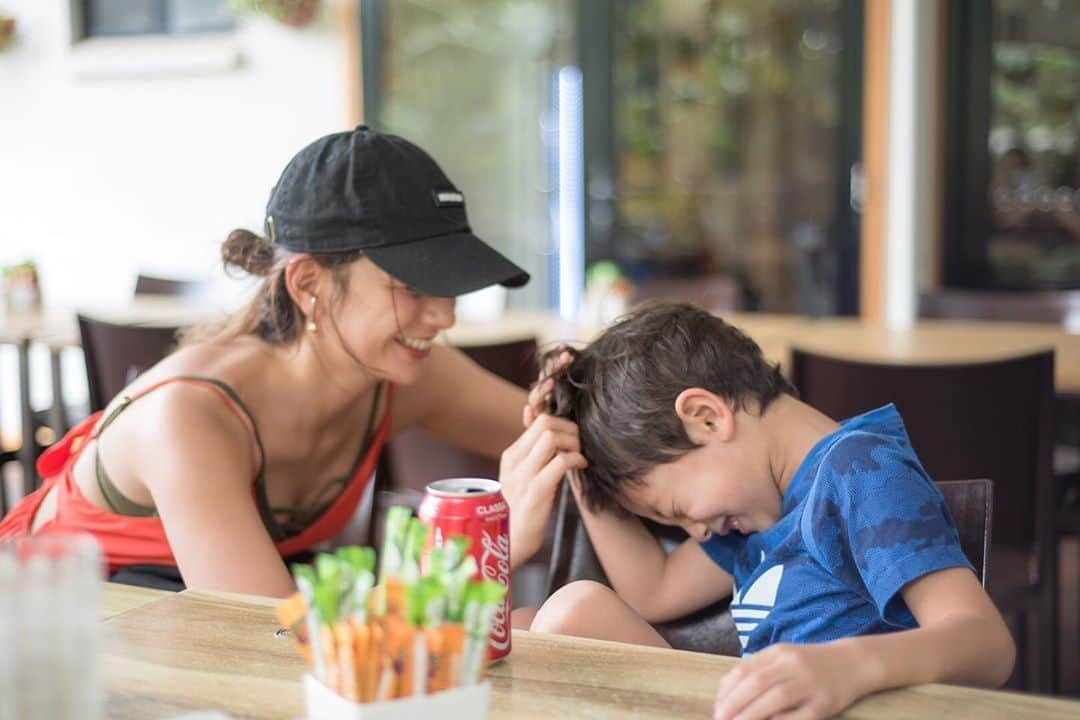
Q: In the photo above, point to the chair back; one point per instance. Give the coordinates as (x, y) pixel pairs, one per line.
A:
(971, 503)
(115, 354)
(988, 419)
(709, 630)
(169, 287)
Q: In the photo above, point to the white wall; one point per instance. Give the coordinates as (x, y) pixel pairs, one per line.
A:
(102, 178)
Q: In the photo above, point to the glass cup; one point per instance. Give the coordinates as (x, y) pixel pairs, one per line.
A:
(50, 628)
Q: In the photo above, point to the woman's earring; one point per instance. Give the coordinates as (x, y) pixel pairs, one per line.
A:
(311, 326)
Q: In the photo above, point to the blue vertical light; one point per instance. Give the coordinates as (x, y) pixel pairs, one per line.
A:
(570, 194)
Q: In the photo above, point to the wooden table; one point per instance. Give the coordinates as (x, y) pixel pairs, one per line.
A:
(118, 598)
(927, 342)
(197, 650)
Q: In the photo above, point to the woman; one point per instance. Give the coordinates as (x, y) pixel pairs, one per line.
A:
(255, 440)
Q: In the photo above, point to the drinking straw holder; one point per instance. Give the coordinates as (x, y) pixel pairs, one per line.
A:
(461, 703)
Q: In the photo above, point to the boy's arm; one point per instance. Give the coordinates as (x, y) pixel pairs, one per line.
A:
(961, 638)
(659, 587)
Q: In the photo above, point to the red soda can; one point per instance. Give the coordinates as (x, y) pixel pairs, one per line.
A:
(475, 508)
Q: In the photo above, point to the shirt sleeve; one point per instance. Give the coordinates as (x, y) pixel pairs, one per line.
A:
(875, 519)
(721, 549)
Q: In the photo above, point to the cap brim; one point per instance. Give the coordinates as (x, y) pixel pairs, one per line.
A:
(447, 265)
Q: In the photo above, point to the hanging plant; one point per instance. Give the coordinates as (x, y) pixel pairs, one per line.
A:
(295, 13)
(7, 30)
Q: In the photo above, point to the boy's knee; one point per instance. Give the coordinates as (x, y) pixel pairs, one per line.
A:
(571, 607)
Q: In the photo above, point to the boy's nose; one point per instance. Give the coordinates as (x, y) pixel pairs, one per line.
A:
(699, 531)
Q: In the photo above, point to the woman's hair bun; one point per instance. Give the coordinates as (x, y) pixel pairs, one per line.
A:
(249, 252)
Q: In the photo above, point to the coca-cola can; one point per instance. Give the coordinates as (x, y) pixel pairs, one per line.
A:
(475, 508)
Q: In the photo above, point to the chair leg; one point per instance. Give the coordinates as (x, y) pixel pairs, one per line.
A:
(1046, 681)
(1021, 677)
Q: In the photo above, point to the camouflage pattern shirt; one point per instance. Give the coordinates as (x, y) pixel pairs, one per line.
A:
(861, 519)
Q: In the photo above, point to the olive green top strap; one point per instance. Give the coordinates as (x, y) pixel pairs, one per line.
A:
(119, 503)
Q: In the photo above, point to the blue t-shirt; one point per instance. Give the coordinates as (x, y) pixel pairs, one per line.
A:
(860, 520)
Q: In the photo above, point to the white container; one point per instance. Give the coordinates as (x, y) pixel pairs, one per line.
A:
(463, 703)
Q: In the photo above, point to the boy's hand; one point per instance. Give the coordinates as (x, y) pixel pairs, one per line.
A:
(530, 471)
(540, 395)
(791, 681)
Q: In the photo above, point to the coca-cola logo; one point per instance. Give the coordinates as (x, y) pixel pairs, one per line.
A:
(492, 509)
(495, 565)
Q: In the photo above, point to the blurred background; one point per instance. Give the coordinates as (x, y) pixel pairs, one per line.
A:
(885, 160)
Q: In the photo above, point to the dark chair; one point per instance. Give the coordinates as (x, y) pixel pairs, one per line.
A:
(415, 458)
(170, 287)
(6, 456)
(115, 354)
(971, 504)
(1060, 307)
(712, 629)
(993, 420)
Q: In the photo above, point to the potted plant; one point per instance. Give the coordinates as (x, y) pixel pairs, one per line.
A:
(7, 30)
(295, 13)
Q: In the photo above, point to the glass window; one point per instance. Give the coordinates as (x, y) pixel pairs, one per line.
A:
(470, 81)
(1034, 169)
(727, 118)
(143, 17)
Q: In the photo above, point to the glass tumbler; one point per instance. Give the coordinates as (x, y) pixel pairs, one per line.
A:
(51, 628)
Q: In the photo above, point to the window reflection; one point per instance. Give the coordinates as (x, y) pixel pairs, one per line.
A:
(1035, 171)
(726, 122)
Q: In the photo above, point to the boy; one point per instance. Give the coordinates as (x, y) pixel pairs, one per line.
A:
(841, 559)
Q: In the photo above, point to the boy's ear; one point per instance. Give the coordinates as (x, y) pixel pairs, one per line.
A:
(705, 415)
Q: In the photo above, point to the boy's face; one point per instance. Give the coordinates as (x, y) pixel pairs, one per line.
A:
(723, 486)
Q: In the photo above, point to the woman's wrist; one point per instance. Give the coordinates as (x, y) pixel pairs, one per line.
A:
(520, 549)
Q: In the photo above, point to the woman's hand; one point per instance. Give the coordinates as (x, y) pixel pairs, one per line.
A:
(530, 471)
(791, 681)
(540, 395)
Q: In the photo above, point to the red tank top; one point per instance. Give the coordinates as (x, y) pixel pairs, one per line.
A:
(126, 540)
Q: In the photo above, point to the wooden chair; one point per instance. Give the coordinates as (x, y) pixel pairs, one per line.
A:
(712, 629)
(115, 354)
(990, 419)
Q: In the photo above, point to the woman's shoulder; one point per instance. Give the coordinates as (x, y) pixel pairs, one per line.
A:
(197, 388)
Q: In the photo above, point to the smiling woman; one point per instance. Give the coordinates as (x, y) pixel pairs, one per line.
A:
(256, 440)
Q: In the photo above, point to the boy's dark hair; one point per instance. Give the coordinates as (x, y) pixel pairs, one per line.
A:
(621, 390)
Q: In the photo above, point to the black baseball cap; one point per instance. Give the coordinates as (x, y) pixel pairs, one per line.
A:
(380, 194)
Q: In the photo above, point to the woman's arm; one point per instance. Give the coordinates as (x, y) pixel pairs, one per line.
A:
(198, 463)
(961, 638)
(460, 402)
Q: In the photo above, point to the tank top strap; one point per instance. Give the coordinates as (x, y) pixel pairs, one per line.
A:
(117, 501)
